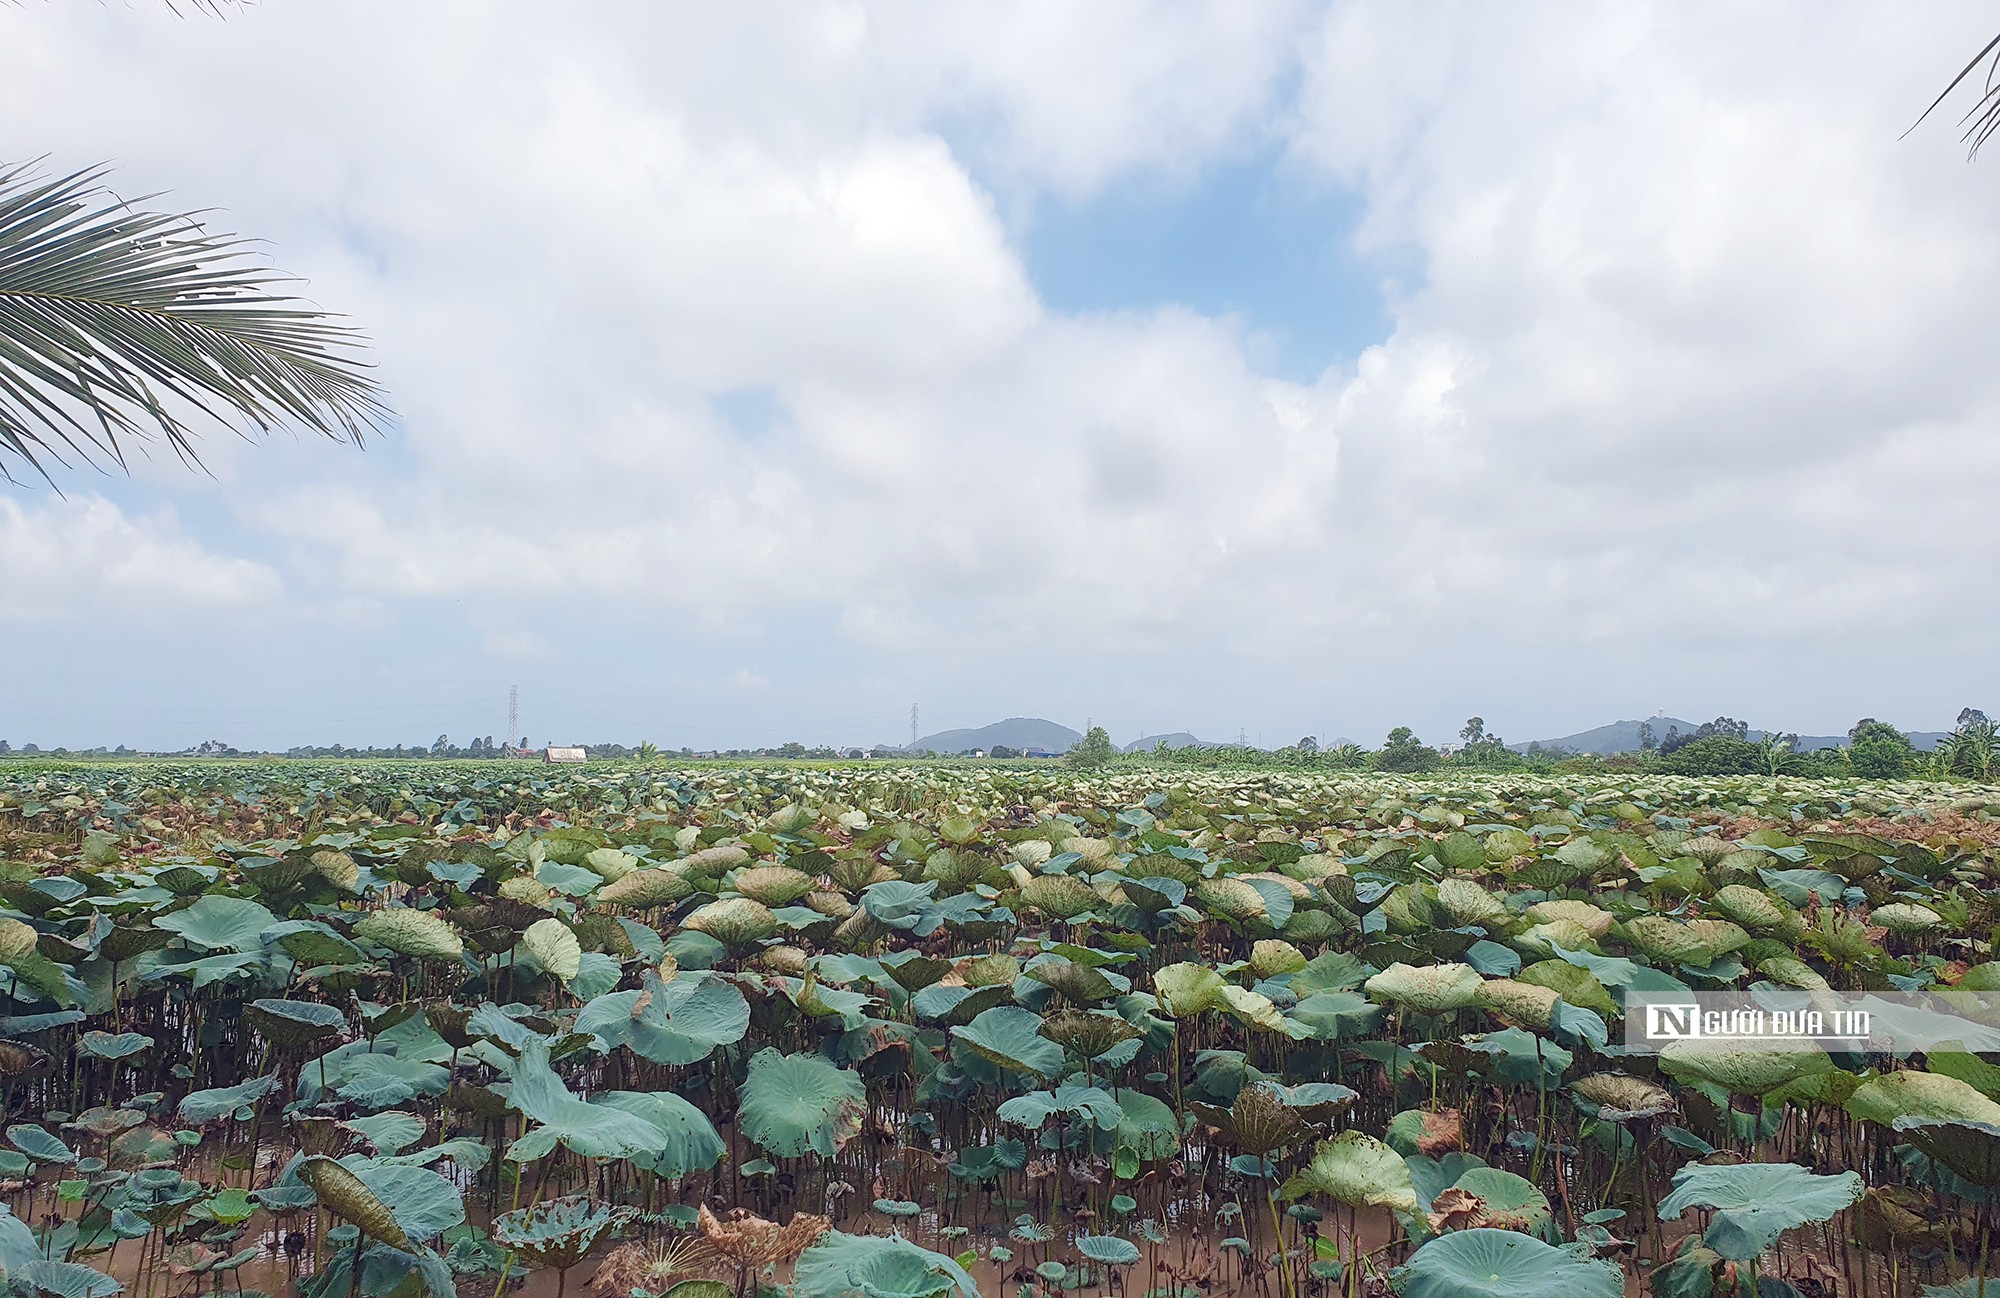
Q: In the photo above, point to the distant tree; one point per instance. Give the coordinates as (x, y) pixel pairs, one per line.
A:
(1309, 746)
(1713, 755)
(1091, 751)
(1779, 754)
(1972, 750)
(1648, 741)
(1877, 750)
(1405, 752)
(1001, 750)
(648, 752)
(1473, 730)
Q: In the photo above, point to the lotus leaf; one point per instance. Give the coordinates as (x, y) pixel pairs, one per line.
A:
(1484, 1263)
(794, 1103)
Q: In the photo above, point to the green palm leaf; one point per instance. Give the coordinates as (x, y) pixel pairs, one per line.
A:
(117, 323)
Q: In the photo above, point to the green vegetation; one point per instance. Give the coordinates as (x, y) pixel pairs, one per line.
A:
(969, 1028)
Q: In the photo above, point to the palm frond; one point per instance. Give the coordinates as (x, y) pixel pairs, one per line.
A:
(1983, 118)
(119, 324)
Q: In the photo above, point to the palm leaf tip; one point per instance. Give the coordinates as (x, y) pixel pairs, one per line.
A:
(119, 324)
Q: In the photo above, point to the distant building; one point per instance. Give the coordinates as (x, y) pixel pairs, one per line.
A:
(554, 754)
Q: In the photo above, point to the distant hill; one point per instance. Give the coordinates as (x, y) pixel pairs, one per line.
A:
(1623, 737)
(1020, 733)
(1178, 739)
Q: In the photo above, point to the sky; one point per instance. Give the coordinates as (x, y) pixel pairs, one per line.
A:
(763, 370)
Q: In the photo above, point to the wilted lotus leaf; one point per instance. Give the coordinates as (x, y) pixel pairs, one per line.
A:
(344, 1193)
(1230, 898)
(1742, 1070)
(773, 885)
(714, 862)
(787, 960)
(1059, 896)
(830, 904)
(526, 890)
(414, 933)
(734, 921)
(1426, 989)
(1543, 939)
(554, 948)
(751, 1243)
(557, 1232)
(1519, 1002)
(1456, 1209)
(1667, 942)
(789, 819)
(853, 873)
(1750, 908)
(1259, 1122)
(1718, 937)
(1031, 852)
(1906, 917)
(1593, 920)
(1932, 1097)
(337, 868)
(1467, 903)
(1085, 1033)
(1358, 1170)
(1428, 1132)
(1707, 848)
(1791, 971)
(1270, 957)
(1899, 1218)
(1619, 1097)
(610, 864)
(646, 888)
(914, 972)
(294, 1023)
(17, 940)
(998, 970)
(1076, 983)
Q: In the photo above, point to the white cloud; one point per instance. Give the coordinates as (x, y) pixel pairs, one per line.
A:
(83, 558)
(1689, 384)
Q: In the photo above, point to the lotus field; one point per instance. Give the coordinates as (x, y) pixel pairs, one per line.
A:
(946, 1030)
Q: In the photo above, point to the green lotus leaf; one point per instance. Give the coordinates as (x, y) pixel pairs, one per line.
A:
(294, 1023)
(790, 1104)
(1573, 983)
(1358, 1170)
(1230, 898)
(609, 863)
(51, 1279)
(1512, 1201)
(1792, 972)
(122, 1045)
(1093, 1103)
(1426, 989)
(1010, 1037)
(1906, 917)
(1108, 1249)
(1486, 1263)
(687, 1141)
(592, 1130)
(1757, 1202)
(772, 885)
(220, 1101)
(1185, 989)
(874, 1266)
(39, 1144)
(1520, 1002)
(1750, 908)
(682, 1021)
(390, 1132)
(218, 923)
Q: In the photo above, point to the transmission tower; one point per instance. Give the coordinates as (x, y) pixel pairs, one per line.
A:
(513, 715)
(913, 725)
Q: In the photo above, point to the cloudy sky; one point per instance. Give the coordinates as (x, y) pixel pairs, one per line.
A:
(764, 369)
